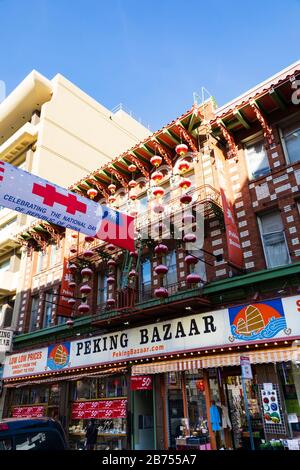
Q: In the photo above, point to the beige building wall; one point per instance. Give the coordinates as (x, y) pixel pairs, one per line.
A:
(79, 134)
(60, 133)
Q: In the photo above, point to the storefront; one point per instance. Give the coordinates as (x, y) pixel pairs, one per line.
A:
(172, 384)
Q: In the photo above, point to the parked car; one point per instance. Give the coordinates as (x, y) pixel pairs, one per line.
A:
(32, 434)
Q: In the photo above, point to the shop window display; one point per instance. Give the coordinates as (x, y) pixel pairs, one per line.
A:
(289, 373)
(105, 401)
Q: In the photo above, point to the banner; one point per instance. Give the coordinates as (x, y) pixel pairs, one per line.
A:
(64, 309)
(235, 253)
(31, 195)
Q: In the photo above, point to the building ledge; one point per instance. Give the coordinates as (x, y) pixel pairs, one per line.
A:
(18, 142)
(214, 287)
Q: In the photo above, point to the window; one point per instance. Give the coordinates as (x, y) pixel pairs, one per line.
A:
(37, 440)
(34, 313)
(40, 262)
(53, 253)
(257, 159)
(200, 266)
(145, 280)
(291, 142)
(4, 266)
(273, 239)
(102, 288)
(48, 309)
(170, 261)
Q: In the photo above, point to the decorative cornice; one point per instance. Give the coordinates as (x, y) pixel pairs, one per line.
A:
(187, 137)
(163, 152)
(138, 163)
(233, 150)
(41, 242)
(268, 134)
(118, 176)
(55, 234)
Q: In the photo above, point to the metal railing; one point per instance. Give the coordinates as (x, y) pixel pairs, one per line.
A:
(145, 293)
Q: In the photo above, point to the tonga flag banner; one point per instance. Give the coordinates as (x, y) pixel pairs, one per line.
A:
(29, 194)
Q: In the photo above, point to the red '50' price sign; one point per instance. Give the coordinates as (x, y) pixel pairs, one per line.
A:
(141, 382)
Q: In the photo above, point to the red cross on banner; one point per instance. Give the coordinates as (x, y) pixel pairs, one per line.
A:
(50, 196)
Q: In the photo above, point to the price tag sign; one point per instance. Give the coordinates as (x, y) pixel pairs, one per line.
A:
(246, 367)
(141, 382)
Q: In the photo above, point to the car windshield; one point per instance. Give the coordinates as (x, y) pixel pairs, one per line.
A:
(46, 440)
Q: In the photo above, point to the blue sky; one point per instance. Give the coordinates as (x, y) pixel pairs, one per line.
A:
(151, 55)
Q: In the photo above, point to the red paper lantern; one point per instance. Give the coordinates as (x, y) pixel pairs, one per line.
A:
(110, 247)
(200, 385)
(132, 168)
(112, 188)
(72, 268)
(74, 235)
(161, 249)
(132, 196)
(132, 184)
(161, 293)
(88, 253)
(188, 219)
(86, 272)
(185, 183)
(132, 273)
(85, 289)
(72, 285)
(134, 254)
(157, 176)
(73, 249)
(183, 166)
(193, 278)
(158, 191)
(181, 149)
(89, 239)
(70, 323)
(111, 263)
(161, 270)
(156, 160)
(189, 259)
(83, 308)
(189, 238)
(71, 302)
(158, 208)
(92, 193)
(110, 302)
(111, 280)
(112, 199)
(185, 199)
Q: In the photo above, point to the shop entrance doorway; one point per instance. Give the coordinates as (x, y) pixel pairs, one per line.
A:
(237, 412)
(143, 437)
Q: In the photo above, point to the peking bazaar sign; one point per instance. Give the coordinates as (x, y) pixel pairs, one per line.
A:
(104, 409)
(31, 195)
(274, 319)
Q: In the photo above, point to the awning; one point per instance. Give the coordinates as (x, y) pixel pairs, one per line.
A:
(219, 360)
(170, 366)
(37, 381)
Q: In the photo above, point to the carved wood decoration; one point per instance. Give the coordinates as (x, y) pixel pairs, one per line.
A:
(233, 150)
(187, 137)
(140, 166)
(100, 187)
(260, 117)
(54, 234)
(41, 242)
(163, 152)
(118, 176)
